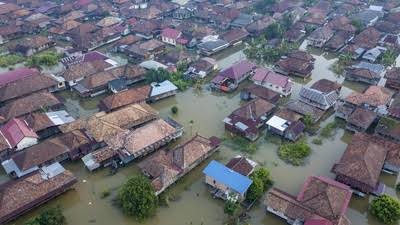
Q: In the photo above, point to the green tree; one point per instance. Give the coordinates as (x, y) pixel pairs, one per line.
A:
(386, 209)
(52, 216)
(388, 58)
(358, 25)
(264, 175)
(137, 198)
(273, 31)
(174, 109)
(231, 207)
(294, 153)
(262, 181)
(256, 190)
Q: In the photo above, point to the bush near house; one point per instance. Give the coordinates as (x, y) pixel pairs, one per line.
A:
(386, 209)
(294, 153)
(161, 75)
(52, 216)
(262, 181)
(137, 198)
(10, 60)
(46, 58)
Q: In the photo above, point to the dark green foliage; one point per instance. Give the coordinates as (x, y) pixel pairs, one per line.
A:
(262, 181)
(388, 58)
(161, 75)
(231, 207)
(317, 141)
(137, 198)
(52, 216)
(174, 109)
(358, 25)
(256, 190)
(386, 209)
(10, 60)
(328, 130)
(294, 153)
(267, 54)
(46, 58)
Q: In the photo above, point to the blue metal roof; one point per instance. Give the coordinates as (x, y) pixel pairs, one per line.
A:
(228, 177)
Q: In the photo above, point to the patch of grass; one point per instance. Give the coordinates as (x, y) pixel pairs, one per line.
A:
(317, 141)
(244, 145)
(328, 130)
(294, 153)
(105, 193)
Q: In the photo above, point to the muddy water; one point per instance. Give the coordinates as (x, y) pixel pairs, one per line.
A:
(192, 204)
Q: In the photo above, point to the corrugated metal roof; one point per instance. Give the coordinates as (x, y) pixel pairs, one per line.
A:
(222, 174)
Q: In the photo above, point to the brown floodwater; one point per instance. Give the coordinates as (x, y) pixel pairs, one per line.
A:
(192, 203)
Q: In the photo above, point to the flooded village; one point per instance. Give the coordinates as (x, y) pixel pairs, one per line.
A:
(200, 112)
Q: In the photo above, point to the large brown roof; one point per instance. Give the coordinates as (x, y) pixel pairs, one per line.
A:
(254, 109)
(26, 86)
(362, 118)
(85, 69)
(49, 149)
(326, 197)
(38, 121)
(373, 96)
(18, 196)
(102, 125)
(135, 95)
(192, 150)
(362, 160)
(25, 105)
(142, 137)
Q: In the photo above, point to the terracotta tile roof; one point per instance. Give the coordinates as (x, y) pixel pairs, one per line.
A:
(142, 137)
(254, 109)
(241, 165)
(362, 118)
(326, 197)
(388, 127)
(131, 96)
(84, 69)
(35, 42)
(192, 150)
(18, 196)
(25, 105)
(171, 33)
(97, 80)
(131, 72)
(49, 149)
(238, 69)
(235, 35)
(362, 161)
(104, 125)
(394, 109)
(264, 75)
(164, 166)
(38, 121)
(373, 96)
(368, 38)
(26, 86)
(15, 131)
(326, 86)
(103, 154)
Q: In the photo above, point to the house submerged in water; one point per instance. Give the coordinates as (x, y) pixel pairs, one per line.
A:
(167, 166)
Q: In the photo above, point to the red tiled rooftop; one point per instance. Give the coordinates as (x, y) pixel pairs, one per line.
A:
(171, 33)
(16, 130)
